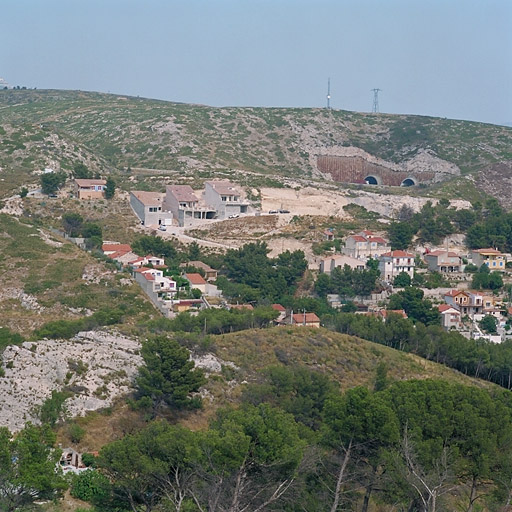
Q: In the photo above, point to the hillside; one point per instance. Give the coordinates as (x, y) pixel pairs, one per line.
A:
(45, 278)
(138, 138)
(233, 361)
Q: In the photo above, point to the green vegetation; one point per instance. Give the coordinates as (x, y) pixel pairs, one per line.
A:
(167, 377)
(347, 282)
(110, 188)
(369, 448)
(109, 131)
(257, 277)
(28, 468)
(52, 181)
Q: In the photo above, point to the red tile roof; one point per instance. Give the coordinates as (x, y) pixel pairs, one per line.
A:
(399, 254)
(278, 307)
(358, 238)
(377, 239)
(454, 293)
(116, 248)
(308, 318)
(445, 307)
(385, 312)
(195, 278)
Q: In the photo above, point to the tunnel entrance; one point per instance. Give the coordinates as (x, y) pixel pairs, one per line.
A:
(371, 180)
(408, 182)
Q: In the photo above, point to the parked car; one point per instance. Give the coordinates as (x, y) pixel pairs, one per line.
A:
(162, 227)
(284, 211)
(272, 211)
(234, 216)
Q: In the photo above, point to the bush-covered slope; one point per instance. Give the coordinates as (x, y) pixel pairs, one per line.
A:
(109, 131)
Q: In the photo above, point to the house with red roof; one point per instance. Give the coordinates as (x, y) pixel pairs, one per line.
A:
(443, 261)
(395, 262)
(450, 317)
(90, 188)
(364, 245)
(302, 319)
(143, 261)
(196, 281)
(112, 247)
(281, 310)
(468, 302)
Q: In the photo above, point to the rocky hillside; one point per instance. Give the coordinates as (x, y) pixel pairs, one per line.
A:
(56, 129)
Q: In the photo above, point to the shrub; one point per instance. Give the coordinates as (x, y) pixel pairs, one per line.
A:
(76, 433)
(90, 486)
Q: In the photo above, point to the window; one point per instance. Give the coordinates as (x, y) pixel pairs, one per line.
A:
(153, 209)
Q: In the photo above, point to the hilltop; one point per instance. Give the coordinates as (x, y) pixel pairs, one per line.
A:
(138, 138)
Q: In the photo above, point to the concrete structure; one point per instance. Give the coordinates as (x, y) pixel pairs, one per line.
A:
(225, 198)
(364, 245)
(148, 206)
(356, 169)
(185, 206)
(443, 261)
(493, 258)
(395, 262)
(450, 317)
(90, 188)
(327, 265)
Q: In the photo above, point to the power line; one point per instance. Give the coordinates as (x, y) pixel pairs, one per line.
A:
(375, 108)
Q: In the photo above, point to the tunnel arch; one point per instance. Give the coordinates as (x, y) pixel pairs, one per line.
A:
(408, 182)
(372, 180)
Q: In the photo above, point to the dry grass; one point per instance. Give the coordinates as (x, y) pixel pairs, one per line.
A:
(348, 359)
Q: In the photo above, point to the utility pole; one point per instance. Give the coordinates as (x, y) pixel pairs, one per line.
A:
(328, 94)
(375, 108)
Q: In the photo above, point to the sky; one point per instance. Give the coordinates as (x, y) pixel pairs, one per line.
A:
(446, 58)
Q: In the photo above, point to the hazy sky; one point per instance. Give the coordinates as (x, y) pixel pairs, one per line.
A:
(448, 58)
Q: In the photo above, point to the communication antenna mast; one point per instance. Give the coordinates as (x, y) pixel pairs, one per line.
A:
(375, 108)
(328, 94)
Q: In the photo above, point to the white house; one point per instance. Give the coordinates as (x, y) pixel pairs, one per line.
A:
(364, 245)
(395, 262)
